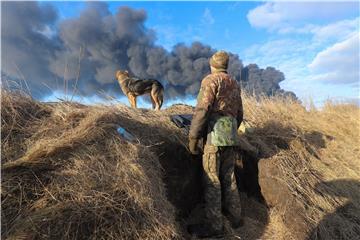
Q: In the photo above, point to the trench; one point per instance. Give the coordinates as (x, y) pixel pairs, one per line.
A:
(182, 177)
(183, 172)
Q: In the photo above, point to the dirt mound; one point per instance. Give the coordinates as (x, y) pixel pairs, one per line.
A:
(68, 174)
(308, 168)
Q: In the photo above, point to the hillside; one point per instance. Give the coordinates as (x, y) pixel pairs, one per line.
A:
(68, 174)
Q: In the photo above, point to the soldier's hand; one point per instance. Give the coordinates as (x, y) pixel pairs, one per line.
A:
(194, 147)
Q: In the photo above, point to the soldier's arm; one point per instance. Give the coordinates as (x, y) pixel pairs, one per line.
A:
(240, 114)
(203, 108)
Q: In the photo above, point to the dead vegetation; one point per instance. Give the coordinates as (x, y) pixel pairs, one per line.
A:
(306, 156)
(68, 174)
(75, 178)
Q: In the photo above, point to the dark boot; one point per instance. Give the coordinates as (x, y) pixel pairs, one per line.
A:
(204, 231)
(235, 221)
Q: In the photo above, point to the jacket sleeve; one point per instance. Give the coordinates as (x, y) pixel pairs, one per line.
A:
(240, 114)
(203, 108)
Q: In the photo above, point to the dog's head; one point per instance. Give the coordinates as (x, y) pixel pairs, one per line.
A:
(121, 75)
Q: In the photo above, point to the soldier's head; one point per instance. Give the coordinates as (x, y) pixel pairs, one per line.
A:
(219, 61)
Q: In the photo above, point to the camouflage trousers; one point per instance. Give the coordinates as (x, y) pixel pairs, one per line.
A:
(221, 193)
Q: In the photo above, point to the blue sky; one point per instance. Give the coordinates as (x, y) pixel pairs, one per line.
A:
(316, 44)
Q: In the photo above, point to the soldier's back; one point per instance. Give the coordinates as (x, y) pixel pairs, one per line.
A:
(228, 94)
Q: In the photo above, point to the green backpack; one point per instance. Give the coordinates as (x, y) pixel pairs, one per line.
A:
(223, 132)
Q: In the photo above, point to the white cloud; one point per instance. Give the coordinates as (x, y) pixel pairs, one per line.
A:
(290, 56)
(265, 16)
(278, 16)
(339, 30)
(207, 18)
(338, 63)
(311, 72)
(316, 45)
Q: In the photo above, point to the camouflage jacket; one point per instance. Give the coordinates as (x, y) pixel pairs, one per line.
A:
(219, 109)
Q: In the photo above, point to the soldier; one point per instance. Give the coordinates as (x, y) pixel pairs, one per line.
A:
(218, 114)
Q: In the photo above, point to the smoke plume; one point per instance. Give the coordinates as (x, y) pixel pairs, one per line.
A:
(263, 81)
(84, 53)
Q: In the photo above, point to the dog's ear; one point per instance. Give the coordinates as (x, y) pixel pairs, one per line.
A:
(126, 72)
(117, 74)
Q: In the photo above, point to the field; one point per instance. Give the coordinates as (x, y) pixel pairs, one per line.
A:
(68, 174)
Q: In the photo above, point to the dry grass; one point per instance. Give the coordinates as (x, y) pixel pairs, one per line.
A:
(67, 174)
(315, 155)
(75, 178)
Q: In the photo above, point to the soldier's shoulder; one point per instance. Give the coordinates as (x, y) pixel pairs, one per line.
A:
(234, 81)
(210, 78)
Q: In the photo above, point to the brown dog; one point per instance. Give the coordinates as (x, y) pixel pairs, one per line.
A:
(133, 87)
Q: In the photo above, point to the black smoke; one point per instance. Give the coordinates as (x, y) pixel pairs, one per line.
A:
(263, 81)
(25, 52)
(84, 53)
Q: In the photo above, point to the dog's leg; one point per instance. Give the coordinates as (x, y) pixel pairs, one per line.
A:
(157, 105)
(154, 96)
(131, 100)
(135, 105)
(160, 97)
(152, 101)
